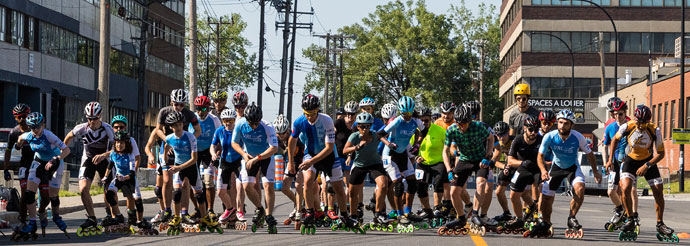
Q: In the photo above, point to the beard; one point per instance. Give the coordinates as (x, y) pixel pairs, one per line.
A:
(531, 137)
(564, 132)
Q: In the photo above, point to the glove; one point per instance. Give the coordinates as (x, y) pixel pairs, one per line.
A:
(7, 175)
(55, 165)
(393, 146)
(486, 162)
(17, 147)
(450, 176)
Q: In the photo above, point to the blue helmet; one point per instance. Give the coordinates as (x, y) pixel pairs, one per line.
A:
(406, 104)
(34, 119)
(367, 101)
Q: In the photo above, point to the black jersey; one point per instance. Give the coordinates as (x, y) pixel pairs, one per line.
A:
(27, 153)
(342, 132)
(522, 151)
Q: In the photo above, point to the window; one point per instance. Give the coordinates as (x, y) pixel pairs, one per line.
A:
(571, 2)
(658, 116)
(665, 119)
(2, 23)
(17, 23)
(673, 117)
(687, 112)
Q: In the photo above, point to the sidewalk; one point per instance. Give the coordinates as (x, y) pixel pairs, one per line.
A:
(669, 197)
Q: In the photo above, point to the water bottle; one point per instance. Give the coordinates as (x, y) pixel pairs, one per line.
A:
(49, 214)
(280, 171)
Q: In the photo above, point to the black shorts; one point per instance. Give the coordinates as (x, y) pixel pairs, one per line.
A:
(463, 170)
(434, 174)
(204, 158)
(631, 165)
(126, 186)
(325, 165)
(259, 165)
(523, 177)
(615, 173)
(169, 163)
(400, 159)
(504, 179)
(192, 174)
(226, 170)
(573, 174)
(358, 174)
(88, 169)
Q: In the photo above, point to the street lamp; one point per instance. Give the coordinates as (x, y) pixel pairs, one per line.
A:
(572, 67)
(615, 33)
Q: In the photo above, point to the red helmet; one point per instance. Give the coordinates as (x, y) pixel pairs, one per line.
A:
(643, 114)
(202, 101)
(619, 105)
(240, 99)
(21, 109)
(547, 115)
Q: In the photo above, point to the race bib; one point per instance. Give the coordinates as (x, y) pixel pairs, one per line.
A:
(386, 161)
(419, 174)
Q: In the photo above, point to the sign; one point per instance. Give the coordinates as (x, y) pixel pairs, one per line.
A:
(31, 62)
(677, 48)
(680, 135)
(557, 104)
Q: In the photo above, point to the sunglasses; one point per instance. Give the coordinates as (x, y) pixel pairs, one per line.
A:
(203, 109)
(178, 104)
(546, 122)
(407, 113)
(349, 114)
(229, 121)
(92, 119)
(532, 129)
(34, 127)
(363, 126)
(240, 106)
(119, 127)
(20, 116)
(310, 114)
(620, 114)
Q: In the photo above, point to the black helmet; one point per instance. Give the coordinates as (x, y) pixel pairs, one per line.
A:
(501, 128)
(462, 115)
(340, 111)
(447, 106)
(21, 109)
(474, 107)
(610, 102)
(310, 102)
(253, 113)
(173, 117)
(643, 114)
(424, 111)
(121, 135)
(532, 123)
(619, 105)
(547, 115)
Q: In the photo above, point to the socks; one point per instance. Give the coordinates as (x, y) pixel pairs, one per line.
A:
(408, 210)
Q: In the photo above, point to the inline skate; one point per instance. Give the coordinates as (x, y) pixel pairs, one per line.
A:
(454, 227)
(665, 233)
(574, 230)
(258, 219)
(90, 227)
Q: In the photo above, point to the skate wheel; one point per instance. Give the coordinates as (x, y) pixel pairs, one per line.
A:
(525, 234)
(440, 231)
(302, 230)
(80, 232)
(287, 222)
(580, 233)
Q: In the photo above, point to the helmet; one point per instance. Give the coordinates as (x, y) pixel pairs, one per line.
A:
(521, 89)
(351, 107)
(92, 109)
(227, 113)
(339, 111)
(21, 109)
(424, 111)
(34, 119)
(219, 95)
(202, 101)
(501, 128)
(462, 115)
(643, 114)
(474, 107)
(310, 102)
(178, 96)
(566, 114)
(119, 118)
(121, 135)
(240, 99)
(406, 104)
(388, 111)
(447, 106)
(365, 118)
(173, 117)
(619, 105)
(435, 116)
(367, 101)
(531, 122)
(253, 113)
(282, 124)
(547, 115)
(609, 103)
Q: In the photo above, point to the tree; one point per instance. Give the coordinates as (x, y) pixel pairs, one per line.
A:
(236, 67)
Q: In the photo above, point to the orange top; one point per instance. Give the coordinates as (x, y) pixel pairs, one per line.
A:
(443, 124)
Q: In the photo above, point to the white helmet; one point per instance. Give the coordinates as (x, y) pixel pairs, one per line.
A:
(566, 114)
(389, 110)
(228, 113)
(281, 124)
(92, 109)
(365, 118)
(367, 101)
(178, 96)
(351, 107)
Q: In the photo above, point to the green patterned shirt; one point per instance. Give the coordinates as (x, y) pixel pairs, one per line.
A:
(471, 144)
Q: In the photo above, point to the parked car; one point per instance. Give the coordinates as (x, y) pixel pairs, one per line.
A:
(15, 156)
(590, 184)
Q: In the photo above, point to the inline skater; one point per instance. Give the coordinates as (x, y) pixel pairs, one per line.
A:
(367, 105)
(547, 119)
(230, 163)
(484, 189)
(388, 111)
(46, 167)
(343, 130)
(505, 171)
(209, 123)
(259, 139)
(20, 112)
(239, 102)
(641, 135)
(521, 93)
(617, 109)
(96, 137)
(121, 164)
(282, 126)
(564, 144)
(220, 98)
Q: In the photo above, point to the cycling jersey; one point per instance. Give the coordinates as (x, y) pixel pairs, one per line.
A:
(640, 143)
(564, 151)
(431, 148)
(224, 138)
(400, 132)
(441, 123)
(375, 127)
(27, 153)
(46, 146)
(188, 117)
(183, 146)
(609, 134)
(208, 127)
(255, 141)
(342, 133)
(314, 136)
(504, 149)
(123, 163)
(521, 150)
(96, 141)
(517, 119)
(471, 144)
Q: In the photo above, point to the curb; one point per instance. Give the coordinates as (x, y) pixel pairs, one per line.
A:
(121, 202)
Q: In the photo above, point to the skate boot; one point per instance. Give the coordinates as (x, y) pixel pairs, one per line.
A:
(189, 224)
(454, 227)
(427, 216)
(514, 226)
(258, 219)
(308, 227)
(90, 227)
(393, 214)
(25, 232)
(227, 216)
(298, 219)
(241, 224)
(360, 210)
(206, 223)
(161, 220)
(131, 218)
(174, 226)
(291, 217)
(490, 224)
(404, 225)
(319, 218)
(211, 215)
(477, 226)
(616, 221)
(380, 222)
(109, 224)
(145, 228)
(60, 224)
(331, 218)
(628, 230)
(530, 214)
(665, 233)
(503, 218)
(574, 230)
(417, 221)
(439, 217)
(541, 229)
(44, 223)
(271, 224)
(122, 226)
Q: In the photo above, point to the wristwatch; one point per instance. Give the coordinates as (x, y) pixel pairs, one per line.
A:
(648, 164)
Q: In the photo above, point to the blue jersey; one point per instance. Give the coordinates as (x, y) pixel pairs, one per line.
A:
(564, 151)
(208, 127)
(123, 163)
(255, 141)
(375, 127)
(314, 136)
(224, 138)
(46, 146)
(400, 132)
(609, 133)
(183, 146)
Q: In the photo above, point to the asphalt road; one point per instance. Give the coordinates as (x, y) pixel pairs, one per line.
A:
(595, 212)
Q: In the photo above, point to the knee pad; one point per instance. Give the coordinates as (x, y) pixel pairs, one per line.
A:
(55, 201)
(421, 191)
(412, 186)
(200, 197)
(438, 188)
(330, 188)
(29, 197)
(158, 192)
(139, 204)
(177, 195)
(110, 197)
(398, 189)
(209, 182)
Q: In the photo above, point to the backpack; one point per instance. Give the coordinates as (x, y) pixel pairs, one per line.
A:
(10, 195)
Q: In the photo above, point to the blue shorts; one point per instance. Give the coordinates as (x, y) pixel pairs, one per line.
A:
(341, 162)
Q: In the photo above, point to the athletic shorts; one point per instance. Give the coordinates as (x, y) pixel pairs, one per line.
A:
(630, 166)
(398, 165)
(328, 166)
(192, 174)
(88, 170)
(267, 168)
(503, 179)
(464, 169)
(127, 186)
(225, 173)
(573, 174)
(162, 165)
(359, 174)
(24, 166)
(614, 175)
(204, 159)
(522, 179)
(39, 175)
(432, 174)
(343, 166)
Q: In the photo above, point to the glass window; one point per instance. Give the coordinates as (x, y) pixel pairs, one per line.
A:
(625, 2)
(670, 42)
(2, 23)
(665, 118)
(646, 44)
(646, 3)
(672, 122)
(17, 23)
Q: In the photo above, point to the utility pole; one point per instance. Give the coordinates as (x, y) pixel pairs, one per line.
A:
(192, 54)
(328, 74)
(103, 95)
(284, 62)
(218, 45)
(681, 105)
(482, 43)
(292, 63)
(601, 61)
(141, 107)
(340, 71)
(262, 46)
(334, 108)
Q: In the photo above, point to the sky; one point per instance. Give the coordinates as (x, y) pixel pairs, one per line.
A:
(329, 16)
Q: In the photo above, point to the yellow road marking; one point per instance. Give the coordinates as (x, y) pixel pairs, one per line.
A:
(478, 240)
